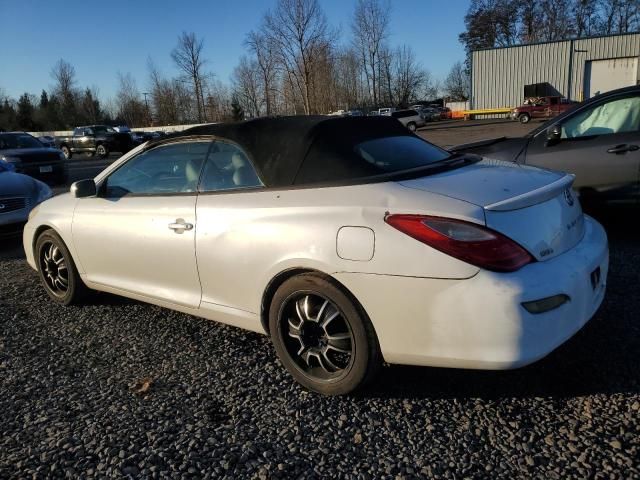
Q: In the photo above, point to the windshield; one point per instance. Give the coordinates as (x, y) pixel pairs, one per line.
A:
(12, 141)
(101, 129)
(329, 161)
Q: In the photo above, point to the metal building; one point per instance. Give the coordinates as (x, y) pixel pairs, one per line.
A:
(575, 69)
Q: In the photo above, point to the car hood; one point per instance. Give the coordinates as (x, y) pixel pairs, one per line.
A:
(486, 182)
(28, 152)
(17, 184)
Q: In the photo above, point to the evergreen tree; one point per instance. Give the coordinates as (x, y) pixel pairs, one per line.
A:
(237, 112)
(24, 116)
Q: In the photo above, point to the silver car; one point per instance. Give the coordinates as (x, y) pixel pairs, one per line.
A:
(409, 118)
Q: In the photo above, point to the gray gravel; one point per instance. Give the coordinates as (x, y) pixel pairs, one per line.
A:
(218, 404)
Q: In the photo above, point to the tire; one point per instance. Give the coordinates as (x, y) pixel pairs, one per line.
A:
(63, 285)
(66, 152)
(411, 126)
(322, 336)
(524, 118)
(102, 151)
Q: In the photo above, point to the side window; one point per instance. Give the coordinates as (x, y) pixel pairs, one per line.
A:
(88, 131)
(227, 168)
(173, 168)
(78, 132)
(616, 116)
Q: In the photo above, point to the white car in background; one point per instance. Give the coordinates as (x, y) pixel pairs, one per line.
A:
(348, 240)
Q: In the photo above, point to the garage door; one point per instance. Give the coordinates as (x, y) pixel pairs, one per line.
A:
(603, 75)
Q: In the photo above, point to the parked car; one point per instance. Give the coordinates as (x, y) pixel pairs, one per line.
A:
(19, 194)
(31, 157)
(354, 113)
(97, 140)
(597, 140)
(445, 113)
(540, 107)
(348, 240)
(386, 111)
(47, 141)
(409, 118)
(429, 114)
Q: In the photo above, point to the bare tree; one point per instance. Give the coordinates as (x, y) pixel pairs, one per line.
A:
(620, 16)
(370, 29)
(298, 30)
(164, 97)
(188, 57)
(131, 108)
(64, 75)
(264, 50)
(456, 85)
(409, 76)
(247, 85)
(585, 13)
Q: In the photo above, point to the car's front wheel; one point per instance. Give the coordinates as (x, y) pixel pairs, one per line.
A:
(524, 118)
(58, 273)
(322, 336)
(412, 127)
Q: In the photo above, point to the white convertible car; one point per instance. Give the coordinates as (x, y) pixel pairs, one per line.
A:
(348, 240)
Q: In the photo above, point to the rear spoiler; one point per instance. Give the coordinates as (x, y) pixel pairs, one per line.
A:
(533, 197)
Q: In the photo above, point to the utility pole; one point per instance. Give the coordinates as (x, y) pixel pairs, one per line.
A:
(149, 120)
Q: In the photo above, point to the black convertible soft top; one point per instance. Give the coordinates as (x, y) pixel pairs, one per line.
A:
(278, 146)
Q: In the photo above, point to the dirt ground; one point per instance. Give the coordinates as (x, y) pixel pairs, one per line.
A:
(448, 133)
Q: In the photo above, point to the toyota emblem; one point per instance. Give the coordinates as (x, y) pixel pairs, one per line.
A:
(568, 197)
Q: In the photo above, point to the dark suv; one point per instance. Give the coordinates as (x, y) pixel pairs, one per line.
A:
(97, 140)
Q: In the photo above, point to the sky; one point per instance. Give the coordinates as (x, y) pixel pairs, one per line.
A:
(103, 38)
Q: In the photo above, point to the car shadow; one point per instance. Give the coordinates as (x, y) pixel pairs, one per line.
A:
(11, 247)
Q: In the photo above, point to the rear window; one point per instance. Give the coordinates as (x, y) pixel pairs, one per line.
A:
(334, 162)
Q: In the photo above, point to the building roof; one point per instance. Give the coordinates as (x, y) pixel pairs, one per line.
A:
(555, 41)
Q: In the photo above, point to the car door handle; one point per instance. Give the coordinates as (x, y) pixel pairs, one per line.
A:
(624, 148)
(180, 226)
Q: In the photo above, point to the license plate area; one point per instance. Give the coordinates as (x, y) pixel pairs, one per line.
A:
(46, 169)
(595, 278)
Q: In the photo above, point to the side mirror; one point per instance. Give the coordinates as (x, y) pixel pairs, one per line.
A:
(554, 134)
(84, 188)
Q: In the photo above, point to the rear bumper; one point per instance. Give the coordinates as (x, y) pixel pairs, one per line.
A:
(58, 171)
(480, 322)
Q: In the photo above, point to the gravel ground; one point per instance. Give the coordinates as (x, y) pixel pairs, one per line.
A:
(118, 388)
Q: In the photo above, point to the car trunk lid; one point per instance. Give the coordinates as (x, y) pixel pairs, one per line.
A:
(532, 206)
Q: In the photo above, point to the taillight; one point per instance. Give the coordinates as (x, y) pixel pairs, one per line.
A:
(465, 241)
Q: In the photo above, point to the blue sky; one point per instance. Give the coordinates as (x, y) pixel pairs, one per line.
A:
(103, 38)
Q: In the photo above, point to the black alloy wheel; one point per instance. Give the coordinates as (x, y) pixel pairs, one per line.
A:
(316, 335)
(322, 335)
(58, 273)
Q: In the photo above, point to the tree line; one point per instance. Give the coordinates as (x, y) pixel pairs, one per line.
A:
(295, 62)
(502, 23)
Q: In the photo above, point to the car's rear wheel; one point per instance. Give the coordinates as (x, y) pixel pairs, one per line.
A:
(524, 118)
(411, 126)
(66, 152)
(322, 336)
(102, 151)
(58, 273)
